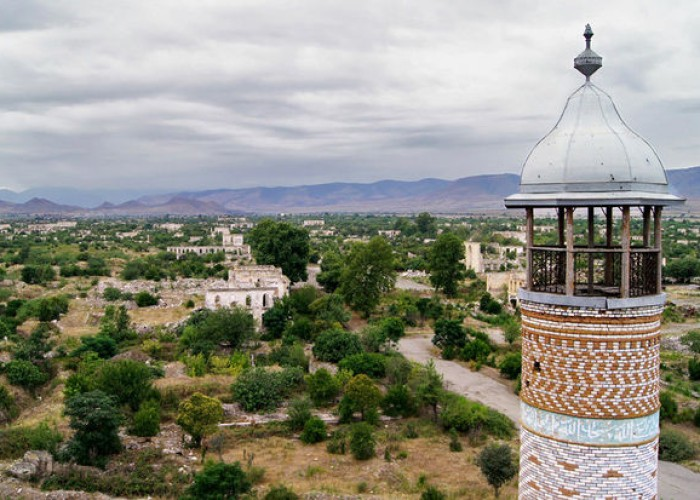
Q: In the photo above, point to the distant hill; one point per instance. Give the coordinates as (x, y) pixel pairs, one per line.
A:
(481, 193)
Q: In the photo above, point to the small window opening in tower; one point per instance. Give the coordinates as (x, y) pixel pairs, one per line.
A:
(537, 366)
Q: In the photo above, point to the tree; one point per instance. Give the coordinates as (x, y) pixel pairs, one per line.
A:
(694, 369)
(449, 334)
(669, 407)
(362, 442)
(116, 324)
(511, 365)
(130, 382)
(258, 389)
(674, 446)
(446, 263)
(95, 418)
(429, 387)
(198, 416)
(692, 340)
(38, 275)
(334, 345)
(8, 408)
(146, 420)
(298, 413)
(276, 318)
(392, 328)
(105, 347)
(497, 465)
(314, 431)
(426, 224)
(369, 273)
(145, 299)
(322, 386)
(683, 269)
(331, 271)
(206, 330)
(283, 245)
(25, 374)
(218, 481)
(362, 395)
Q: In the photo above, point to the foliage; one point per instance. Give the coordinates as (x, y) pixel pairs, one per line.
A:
(337, 444)
(15, 441)
(206, 330)
(449, 333)
(399, 401)
(95, 418)
(432, 493)
(497, 464)
(455, 443)
(130, 382)
(694, 369)
(368, 273)
(146, 420)
(276, 318)
(198, 416)
(370, 364)
(145, 299)
(322, 386)
(426, 225)
(218, 480)
(511, 365)
(669, 407)
(392, 328)
(111, 294)
(298, 413)
(428, 383)
(683, 269)
(334, 345)
(692, 340)
(331, 271)
(105, 347)
(362, 442)
(490, 305)
(674, 446)
(25, 374)
(362, 395)
(465, 416)
(258, 389)
(476, 350)
(282, 245)
(330, 311)
(116, 324)
(8, 408)
(446, 263)
(398, 370)
(290, 355)
(280, 492)
(314, 431)
(38, 275)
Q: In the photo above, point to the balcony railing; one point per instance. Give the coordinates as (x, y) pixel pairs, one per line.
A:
(597, 271)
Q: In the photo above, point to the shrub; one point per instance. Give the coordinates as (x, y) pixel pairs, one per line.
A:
(694, 369)
(696, 418)
(146, 420)
(476, 350)
(511, 365)
(314, 431)
(432, 493)
(145, 299)
(691, 339)
(337, 444)
(111, 294)
(371, 364)
(497, 465)
(290, 356)
(198, 416)
(398, 370)
(260, 390)
(361, 395)
(299, 412)
(25, 374)
(15, 441)
(489, 305)
(334, 345)
(449, 333)
(8, 408)
(322, 386)
(399, 401)
(455, 443)
(362, 442)
(669, 407)
(498, 424)
(130, 382)
(105, 347)
(674, 446)
(392, 328)
(219, 480)
(462, 414)
(280, 493)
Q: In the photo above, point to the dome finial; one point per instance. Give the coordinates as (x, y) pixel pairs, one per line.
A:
(588, 62)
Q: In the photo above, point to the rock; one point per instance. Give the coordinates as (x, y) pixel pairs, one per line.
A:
(34, 464)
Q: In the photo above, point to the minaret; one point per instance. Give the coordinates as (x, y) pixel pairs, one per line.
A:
(592, 304)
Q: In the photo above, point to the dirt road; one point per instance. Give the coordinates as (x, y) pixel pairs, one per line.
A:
(675, 482)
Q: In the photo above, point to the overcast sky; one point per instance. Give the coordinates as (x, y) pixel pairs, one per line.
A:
(197, 94)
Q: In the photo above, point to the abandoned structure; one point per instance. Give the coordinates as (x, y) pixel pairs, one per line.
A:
(253, 287)
(591, 305)
(232, 245)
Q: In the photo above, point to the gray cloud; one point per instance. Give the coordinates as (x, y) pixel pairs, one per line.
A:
(174, 94)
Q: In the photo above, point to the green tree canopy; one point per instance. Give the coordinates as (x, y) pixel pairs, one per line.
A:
(205, 330)
(446, 263)
(368, 274)
(129, 381)
(281, 244)
(198, 416)
(497, 464)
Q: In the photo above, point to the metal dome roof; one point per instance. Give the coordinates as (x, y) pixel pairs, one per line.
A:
(591, 156)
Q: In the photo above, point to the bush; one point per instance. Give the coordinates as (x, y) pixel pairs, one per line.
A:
(129, 381)
(432, 493)
(669, 407)
(694, 369)
(334, 345)
(337, 444)
(198, 416)
(696, 418)
(511, 365)
(455, 443)
(8, 408)
(462, 414)
(314, 431)
(674, 446)
(299, 412)
(219, 480)
(398, 370)
(260, 390)
(25, 374)
(145, 299)
(111, 294)
(371, 364)
(322, 386)
(399, 401)
(280, 493)
(476, 350)
(16, 441)
(449, 333)
(146, 420)
(362, 442)
(489, 305)
(361, 395)
(392, 328)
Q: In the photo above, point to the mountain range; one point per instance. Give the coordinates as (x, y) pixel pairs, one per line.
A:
(477, 194)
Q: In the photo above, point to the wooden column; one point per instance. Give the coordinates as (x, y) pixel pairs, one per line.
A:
(530, 239)
(646, 228)
(659, 248)
(609, 260)
(570, 256)
(625, 240)
(591, 244)
(561, 225)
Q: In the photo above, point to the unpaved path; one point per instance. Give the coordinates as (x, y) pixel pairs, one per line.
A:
(675, 482)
